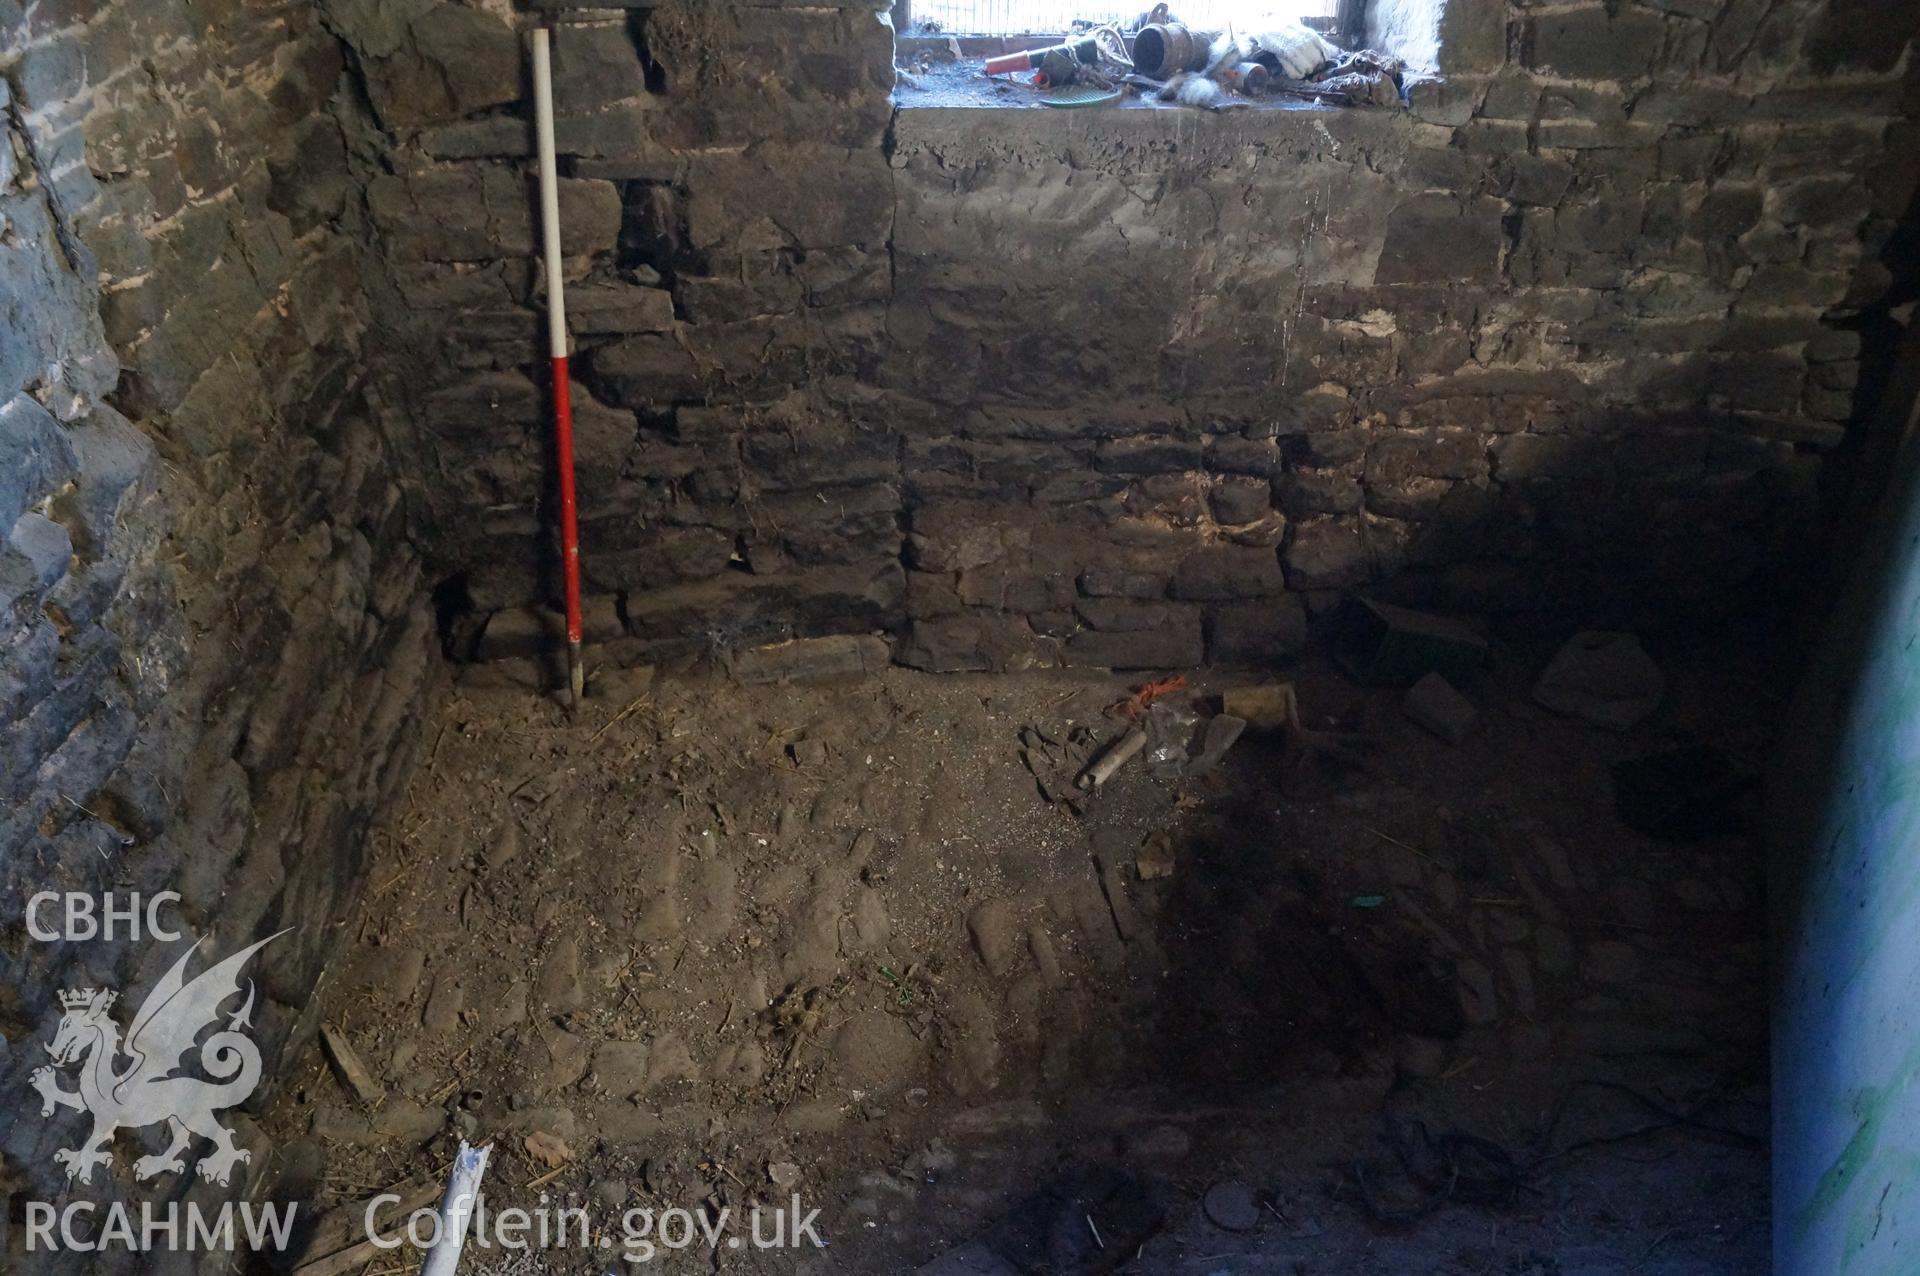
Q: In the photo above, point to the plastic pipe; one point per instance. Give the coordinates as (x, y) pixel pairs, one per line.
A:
(1085, 49)
(557, 348)
(456, 1209)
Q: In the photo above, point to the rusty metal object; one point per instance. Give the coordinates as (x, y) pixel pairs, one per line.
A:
(1164, 49)
(1246, 77)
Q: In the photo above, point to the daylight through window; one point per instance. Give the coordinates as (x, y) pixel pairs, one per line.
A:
(1004, 17)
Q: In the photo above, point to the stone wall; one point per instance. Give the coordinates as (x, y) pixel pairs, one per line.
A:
(1574, 332)
(1144, 387)
(212, 644)
(724, 349)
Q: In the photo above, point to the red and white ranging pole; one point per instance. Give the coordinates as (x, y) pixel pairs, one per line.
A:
(557, 348)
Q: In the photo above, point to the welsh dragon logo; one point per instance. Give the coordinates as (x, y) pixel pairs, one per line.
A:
(145, 1091)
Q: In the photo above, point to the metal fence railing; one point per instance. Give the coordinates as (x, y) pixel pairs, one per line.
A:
(1021, 17)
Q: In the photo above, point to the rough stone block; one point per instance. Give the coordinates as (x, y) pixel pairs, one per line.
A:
(1241, 500)
(1820, 201)
(805, 603)
(1793, 285)
(489, 408)
(1329, 553)
(1728, 211)
(1534, 179)
(1473, 38)
(1235, 455)
(646, 369)
(620, 1067)
(1439, 238)
(1833, 344)
(45, 545)
(1256, 633)
(1767, 330)
(1444, 102)
(1528, 458)
(1760, 382)
(1434, 704)
(1015, 588)
(1595, 43)
(1824, 404)
(1606, 678)
(974, 641)
(26, 665)
(931, 595)
(1148, 455)
(453, 61)
(48, 73)
(1690, 105)
(482, 212)
(767, 356)
(1511, 95)
(1860, 37)
(1228, 572)
(1175, 644)
(789, 197)
(729, 299)
(1122, 615)
(602, 309)
(1414, 498)
(1305, 493)
(1327, 406)
(957, 537)
(596, 64)
(36, 455)
(1178, 500)
(1451, 454)
(1690, 156)
(603, 439)
(808, 660)
(1337, 447)
(1838, 375)
(804, 449)
(488, 137)
(19, 582)
(1122, 582)
(666, 556)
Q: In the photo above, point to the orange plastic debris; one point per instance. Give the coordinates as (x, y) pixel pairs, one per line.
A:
(1145, 694)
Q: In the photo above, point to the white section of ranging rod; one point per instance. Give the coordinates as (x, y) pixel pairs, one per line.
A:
(456, 1210)
(549, 191)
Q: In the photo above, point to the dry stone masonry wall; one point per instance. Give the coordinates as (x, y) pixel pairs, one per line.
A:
(1145, 387)
(728, 207)
(212, 641)
(1582, 328)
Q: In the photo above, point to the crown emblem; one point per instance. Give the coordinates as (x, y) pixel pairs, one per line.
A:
(86, 998)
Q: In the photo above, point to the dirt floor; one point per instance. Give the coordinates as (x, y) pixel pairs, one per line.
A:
(706, 946)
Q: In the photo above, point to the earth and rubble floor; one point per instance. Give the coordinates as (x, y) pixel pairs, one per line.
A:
(706, 945)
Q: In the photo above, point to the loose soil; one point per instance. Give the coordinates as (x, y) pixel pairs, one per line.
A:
(706, 945)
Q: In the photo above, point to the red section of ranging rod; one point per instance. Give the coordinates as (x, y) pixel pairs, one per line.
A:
(569, 508)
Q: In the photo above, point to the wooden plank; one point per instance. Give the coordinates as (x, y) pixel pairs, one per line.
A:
(339, 1242)
(348, 1067)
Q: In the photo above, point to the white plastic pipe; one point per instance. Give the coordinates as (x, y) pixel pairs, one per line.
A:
(456, 1210)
